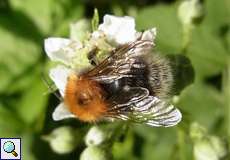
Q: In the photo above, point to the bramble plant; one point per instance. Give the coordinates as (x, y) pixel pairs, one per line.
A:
(193, 36)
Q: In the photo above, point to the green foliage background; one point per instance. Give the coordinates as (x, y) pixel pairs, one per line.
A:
(26, 108)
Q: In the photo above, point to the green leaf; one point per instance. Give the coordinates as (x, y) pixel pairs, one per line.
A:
(159, 142)
(40, 11)
(28, 146)
(63, 14)
(33, 102)
(206, 49)
(218, 13)
(10, 124)
(206, 52)
(228, 40)
(164, 18)
(18, 58)
(123, 150)
(158, 150)
(200, 101)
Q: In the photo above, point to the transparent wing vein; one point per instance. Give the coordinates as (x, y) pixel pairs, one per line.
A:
(149, 110)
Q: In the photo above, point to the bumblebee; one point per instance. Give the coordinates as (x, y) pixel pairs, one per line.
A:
(131, 84)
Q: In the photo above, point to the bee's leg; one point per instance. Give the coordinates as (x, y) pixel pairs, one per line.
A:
(92, 57)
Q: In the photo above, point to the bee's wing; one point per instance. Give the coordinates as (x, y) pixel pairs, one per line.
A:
(147, 109)
(120, 62)
(128, 96)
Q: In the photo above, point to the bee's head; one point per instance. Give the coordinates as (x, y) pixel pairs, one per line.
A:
(84, 98)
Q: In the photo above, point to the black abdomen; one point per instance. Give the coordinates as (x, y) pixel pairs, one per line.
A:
(152, 72)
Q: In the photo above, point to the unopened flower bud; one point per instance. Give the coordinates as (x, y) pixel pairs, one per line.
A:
(204, 151)
(176, 99)
(197, 132)
(190, 11)
(95, 153)
(206, 146)
(95, 136)
(219, 146)
(62, 140)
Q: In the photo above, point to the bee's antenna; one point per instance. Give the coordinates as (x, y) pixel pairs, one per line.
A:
(50, 87)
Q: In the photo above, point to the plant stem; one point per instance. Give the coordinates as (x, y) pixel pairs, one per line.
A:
(181, 143)
(187, 29)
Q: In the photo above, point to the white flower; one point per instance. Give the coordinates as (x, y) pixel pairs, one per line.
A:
(190, 11)
(61, 49)
(121, 30)
(206, 146)
(61, 112)
(72, 53)
(211, 148)
(59, 75)
(79, 31)
(149, 34)
(204, 151)
(62, 140)
(118, 29)
(95, 136)
(95, 153)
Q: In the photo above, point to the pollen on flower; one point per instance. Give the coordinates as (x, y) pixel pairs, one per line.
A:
(85, 98)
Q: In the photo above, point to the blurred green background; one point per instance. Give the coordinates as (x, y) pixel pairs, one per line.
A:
(26, 106)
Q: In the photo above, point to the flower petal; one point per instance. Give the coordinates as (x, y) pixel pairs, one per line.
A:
(79, 30)
(61, 49)
(119, 30)
(149, 34)
(61, 112)
(59, 75)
